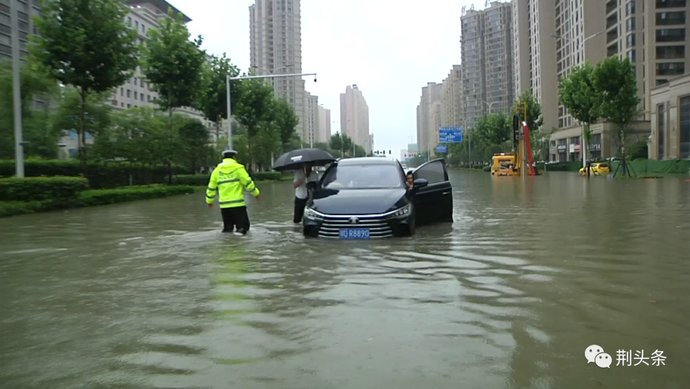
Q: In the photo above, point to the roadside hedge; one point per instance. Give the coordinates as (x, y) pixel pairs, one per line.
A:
(110, 174)
(51, 189)
(202, 179)
(111, 196)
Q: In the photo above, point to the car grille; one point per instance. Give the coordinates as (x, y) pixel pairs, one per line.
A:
(331, 225)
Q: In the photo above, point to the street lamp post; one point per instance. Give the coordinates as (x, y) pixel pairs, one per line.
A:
(227, 86)
(16, 91)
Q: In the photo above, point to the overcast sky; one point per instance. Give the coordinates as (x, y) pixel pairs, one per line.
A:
(389, 48)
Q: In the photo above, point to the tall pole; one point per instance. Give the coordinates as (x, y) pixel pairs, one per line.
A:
(16, 91)
(227, 85)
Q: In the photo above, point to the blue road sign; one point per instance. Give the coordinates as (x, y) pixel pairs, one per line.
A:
(441, 149)
(450, 135)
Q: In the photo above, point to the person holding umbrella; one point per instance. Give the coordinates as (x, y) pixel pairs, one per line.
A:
(303, 178)
(229, 180)
(302, 161)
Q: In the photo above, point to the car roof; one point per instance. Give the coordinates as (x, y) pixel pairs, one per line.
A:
(367, 161)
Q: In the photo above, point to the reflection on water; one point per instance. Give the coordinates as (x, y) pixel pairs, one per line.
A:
(532, 271)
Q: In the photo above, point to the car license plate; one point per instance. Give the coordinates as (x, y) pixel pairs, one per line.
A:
(354, 233)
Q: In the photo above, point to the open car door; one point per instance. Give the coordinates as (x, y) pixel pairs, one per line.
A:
(434, 202)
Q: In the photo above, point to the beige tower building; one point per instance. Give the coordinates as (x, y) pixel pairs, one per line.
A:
(487, 61)
(429, 114)
(276, 48)
(324, 129)
(354, 117)
(143, 16)
(452, 114)
(311, 119)
(554, 37)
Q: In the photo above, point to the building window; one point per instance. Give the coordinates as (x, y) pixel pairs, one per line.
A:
(670, 52)
(129, 93)
(670, 69)
(670, 3)
(684, 127)
(670, 35)
(660, 129)
(667, 18)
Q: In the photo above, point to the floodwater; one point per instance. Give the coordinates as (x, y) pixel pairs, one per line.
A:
(150, 294)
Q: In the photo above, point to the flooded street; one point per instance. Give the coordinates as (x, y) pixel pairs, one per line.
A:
(150, 294)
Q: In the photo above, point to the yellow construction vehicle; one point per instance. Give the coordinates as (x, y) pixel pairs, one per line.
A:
(511, 164)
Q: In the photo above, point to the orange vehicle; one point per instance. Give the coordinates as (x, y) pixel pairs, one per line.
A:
(503, 164)
(511, 164)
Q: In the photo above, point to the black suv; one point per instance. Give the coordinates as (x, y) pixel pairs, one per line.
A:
(366, 198)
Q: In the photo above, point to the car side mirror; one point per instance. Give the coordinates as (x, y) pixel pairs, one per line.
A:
(420, 183)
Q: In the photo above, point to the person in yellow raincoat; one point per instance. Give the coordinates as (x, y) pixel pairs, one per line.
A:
(229, 180)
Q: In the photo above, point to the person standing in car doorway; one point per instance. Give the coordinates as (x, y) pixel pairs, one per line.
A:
(303, 177)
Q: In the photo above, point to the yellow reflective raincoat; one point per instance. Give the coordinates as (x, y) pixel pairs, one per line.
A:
(230, 179)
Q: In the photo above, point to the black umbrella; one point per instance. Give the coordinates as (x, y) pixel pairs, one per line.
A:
(296, 159)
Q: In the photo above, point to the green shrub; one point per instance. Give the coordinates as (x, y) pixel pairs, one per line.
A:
(110, 196)
(55, 189)
(191, 179)
(261, 176)
(12, 208)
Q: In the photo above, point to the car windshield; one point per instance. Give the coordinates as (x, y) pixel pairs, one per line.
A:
(362, 177)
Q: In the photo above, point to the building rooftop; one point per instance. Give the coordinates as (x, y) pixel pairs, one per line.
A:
(161, 5)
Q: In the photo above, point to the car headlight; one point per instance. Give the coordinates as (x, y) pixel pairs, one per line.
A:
(311, 214)
(403, 211)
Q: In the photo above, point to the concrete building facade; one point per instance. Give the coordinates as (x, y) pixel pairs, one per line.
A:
(487, 60)
(28, 9)
(429, 117)
(555, 37)
(276, 48)
(354, 117)
(670, 119)
(452, 112)
(324, 129)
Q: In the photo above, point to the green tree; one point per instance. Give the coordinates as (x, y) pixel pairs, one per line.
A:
(286, 121)
(173, 64)
(136, 135)
(614, 80)
(527, 103)
(90, 114)
(85, 43)
(580, 96)
(194, 148)
(491, 134)
(255, 111)
(35, 86)
(214, 99)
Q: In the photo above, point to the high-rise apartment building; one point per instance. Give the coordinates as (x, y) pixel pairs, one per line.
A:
(27, 9)
(311, 119)
(143, 16)
(487, 60)
(653, 35)
(276, 48)
(451, 99)
(429, 117)
(324, 132)
(354, 117)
